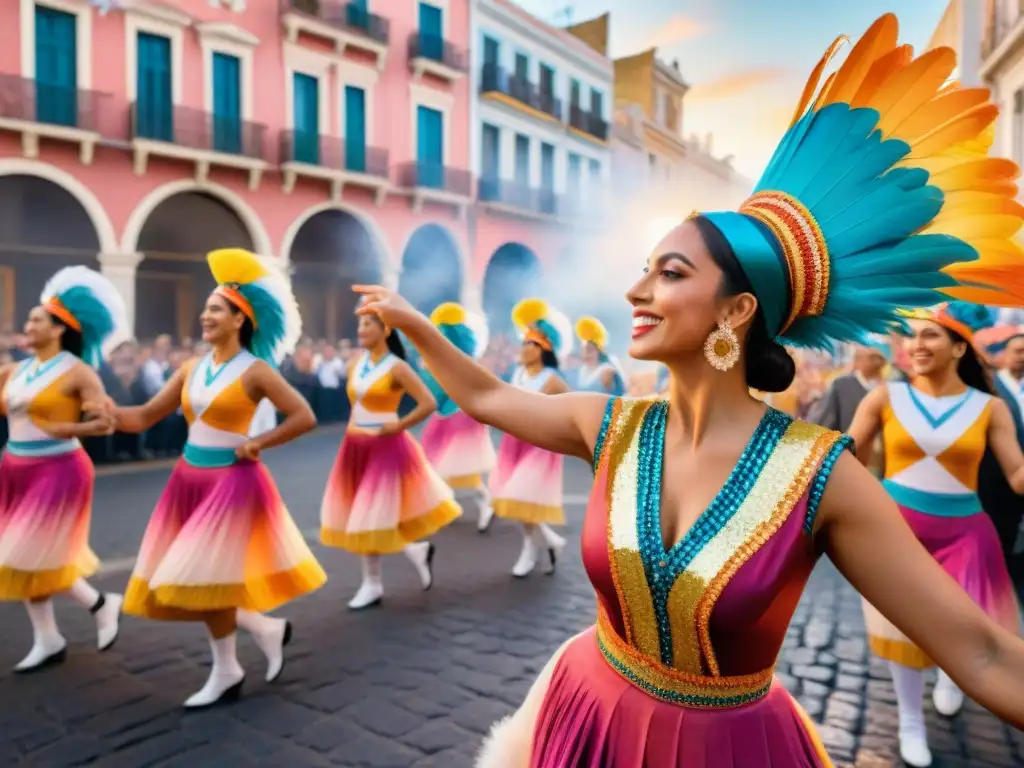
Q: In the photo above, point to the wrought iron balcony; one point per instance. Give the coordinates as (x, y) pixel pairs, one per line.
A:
(349, 16)
(192, 134)
(434, 176)
(36, 109)
(437, 56)
(333, 153)
(515, 194)
(588, 123)
(495, 79)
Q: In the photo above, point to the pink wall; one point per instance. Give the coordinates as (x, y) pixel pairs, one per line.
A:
(112, 180)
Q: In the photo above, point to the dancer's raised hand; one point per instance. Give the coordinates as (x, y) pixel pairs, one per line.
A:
(393, 310)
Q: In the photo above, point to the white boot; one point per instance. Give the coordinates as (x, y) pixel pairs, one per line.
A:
(271, 635)
(226, 675)
(371, 591)
(909, 685)
(528, 555)
(105, 608)
(421, 555)
(486, 510)
(48, 645)
(947, 696)
(551, 543)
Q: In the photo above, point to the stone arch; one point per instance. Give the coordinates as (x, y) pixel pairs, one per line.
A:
(257, 233)
(173, 280)
(328, 252)
(513, 272)
(432, 268)
(44, 227)
(380, 241)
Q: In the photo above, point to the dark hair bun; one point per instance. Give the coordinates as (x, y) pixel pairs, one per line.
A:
(770, 368)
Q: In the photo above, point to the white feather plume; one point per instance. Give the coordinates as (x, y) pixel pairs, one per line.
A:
(102, 290)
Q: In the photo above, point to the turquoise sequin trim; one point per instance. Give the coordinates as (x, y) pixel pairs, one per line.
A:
(208, 458)
(817, 489)
(602, 435)
(663, 568)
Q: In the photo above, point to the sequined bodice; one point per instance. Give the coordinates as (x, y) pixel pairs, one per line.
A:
(716, 604)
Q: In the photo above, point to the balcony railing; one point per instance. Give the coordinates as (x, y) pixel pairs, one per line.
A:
(333, 153)
(347, 16)
(495, 79)
(35, 102)
(421, 175)
(196, 129)
(435, 48)
(588, 122)
(518, 195)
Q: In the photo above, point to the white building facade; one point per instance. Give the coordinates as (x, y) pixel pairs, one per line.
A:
(1001, 45)
(541, 120)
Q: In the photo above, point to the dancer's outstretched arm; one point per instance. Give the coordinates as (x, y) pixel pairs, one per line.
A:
(139, 418)
(565, 423)
(866, 537)
(84, 383)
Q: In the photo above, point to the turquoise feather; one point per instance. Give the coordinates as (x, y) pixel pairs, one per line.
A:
(270, 330)
(94, 317)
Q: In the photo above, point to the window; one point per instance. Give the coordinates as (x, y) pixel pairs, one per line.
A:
(357, 15)
(227, 103)
(574, 93)
(652, 161)
(56, 69)
(595, 170)
(491, 51)
(522, 160)
(430, 147)
(572, 184)
(490, 162)
(547, 80)
(355, 129)
(522, 67)
(431, 32)
(596, 103)
(306, 118)
(154, 110)
(547, 167)
(1018, 126)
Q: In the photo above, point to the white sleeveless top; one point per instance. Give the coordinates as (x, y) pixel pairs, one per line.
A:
(366, 374)
(24, 386)
(206, 384)
(522, 379)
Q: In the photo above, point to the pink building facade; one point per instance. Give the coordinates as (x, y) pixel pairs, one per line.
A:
(331, 137)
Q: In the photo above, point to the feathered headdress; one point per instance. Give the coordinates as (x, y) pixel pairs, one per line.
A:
(536, 321)
(879, 197)
(264, 296)
(464, 329)
(961, 317)
(87, 302)
(590, 330)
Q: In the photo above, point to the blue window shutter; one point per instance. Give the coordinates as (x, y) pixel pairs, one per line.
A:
(56, 46)
(430, 147)
(573, 181)
(522, 160)
(154, 107)
(358, 14)
(490, 168)
(355, 129)
(306, 107)
(595, 169)
(547, 167)
(431, 32)
(227, 103)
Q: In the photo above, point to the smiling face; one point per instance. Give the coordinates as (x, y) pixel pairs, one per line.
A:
(678, 302)
(220, 320)
(370, 332)
(40, 329)
(930, 348)
(590, 355)
(530, 353)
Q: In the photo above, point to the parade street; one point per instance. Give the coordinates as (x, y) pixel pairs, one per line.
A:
(416, 682)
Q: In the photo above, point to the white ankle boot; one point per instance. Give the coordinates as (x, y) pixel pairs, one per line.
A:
(551, 543)
(527, 556)
(486, 510)
(909, 686)
(947, 696)
(48, 645)
(370, 594)
(271, 635)
(421, 555)
(105, 608)
(226, 675)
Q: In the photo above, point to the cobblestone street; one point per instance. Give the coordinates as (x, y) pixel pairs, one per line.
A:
(414, 683)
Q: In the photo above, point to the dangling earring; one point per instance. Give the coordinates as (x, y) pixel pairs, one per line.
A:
(722, 348)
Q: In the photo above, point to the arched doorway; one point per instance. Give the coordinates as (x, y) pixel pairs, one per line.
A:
(332, 250)
(513, 273)
(431, 268)
(43, 228)
(173, 281)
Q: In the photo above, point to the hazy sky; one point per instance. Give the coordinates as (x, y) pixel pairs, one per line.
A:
(747, 60)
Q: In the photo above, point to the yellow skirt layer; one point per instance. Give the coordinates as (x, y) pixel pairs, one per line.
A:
(394, 540)
(526, 512)
(16, 584)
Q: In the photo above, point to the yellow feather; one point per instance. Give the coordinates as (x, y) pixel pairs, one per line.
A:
(592, 330)
(823, 95)
(811, 86)
(976, 227)
(912, 87)
(880, 38)
(529, 311)
(939, 110)
(880, 72)
(449, 313)
(988, 296)
(235, 265)
(961, 128)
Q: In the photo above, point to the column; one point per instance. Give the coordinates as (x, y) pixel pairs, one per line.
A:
(472, 296)
(971, 28)
(390, 277)
(120, 269)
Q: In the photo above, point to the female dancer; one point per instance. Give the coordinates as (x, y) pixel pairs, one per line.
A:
(46, 478)
(598, 372)
(458, 447)
(527, 483)
(383, 497)
(221, 547)
(935, 430)
(709, 510)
